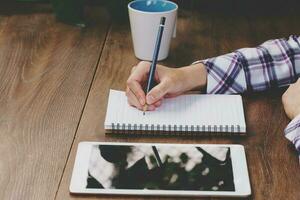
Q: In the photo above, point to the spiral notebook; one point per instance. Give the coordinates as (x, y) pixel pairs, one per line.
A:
(185, 114)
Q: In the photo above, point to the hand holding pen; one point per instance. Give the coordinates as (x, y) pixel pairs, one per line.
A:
(171, 82)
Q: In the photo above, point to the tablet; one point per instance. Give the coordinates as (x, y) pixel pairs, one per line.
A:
(160, 169)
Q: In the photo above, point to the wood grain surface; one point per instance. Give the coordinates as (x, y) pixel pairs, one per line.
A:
(200, 36)
(54, 84)
(46, 70)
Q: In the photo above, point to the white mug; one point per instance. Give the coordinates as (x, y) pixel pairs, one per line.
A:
(144, 16)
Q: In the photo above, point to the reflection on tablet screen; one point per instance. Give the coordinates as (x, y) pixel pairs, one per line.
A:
(160, 167)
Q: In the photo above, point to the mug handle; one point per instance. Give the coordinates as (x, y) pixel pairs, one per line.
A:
(175, 27)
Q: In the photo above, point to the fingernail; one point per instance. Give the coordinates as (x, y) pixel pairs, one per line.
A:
(150, 99)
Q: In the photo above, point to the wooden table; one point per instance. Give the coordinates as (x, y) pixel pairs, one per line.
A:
(54, 83)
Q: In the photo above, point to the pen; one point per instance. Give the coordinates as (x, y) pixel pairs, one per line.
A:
(150, 83)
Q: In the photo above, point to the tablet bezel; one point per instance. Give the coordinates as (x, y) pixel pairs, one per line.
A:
(239, 166)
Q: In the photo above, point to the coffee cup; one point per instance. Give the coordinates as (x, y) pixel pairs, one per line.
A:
(144, 16)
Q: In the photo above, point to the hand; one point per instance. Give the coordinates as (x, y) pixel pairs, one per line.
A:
(291, 100)
(171, 82)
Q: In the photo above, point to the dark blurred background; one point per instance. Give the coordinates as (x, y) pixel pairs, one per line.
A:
(73, 11)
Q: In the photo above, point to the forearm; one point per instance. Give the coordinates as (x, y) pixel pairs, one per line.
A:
(275, 63)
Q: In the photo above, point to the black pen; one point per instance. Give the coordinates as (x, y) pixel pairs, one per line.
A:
(150, 83)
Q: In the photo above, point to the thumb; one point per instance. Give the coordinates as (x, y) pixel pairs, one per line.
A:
(158, 92)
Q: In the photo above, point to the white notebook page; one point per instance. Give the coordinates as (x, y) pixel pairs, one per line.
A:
(185, 110)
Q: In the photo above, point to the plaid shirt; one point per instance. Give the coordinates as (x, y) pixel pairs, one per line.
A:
(273, 64)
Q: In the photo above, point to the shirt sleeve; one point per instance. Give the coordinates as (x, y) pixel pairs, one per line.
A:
(273, 64)
(292, 133)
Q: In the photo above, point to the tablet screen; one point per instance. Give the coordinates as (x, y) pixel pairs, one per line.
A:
(160, 167)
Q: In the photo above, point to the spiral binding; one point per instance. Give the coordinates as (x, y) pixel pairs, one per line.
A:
(166, 129)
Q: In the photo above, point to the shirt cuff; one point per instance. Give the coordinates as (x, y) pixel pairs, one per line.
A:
(292, 133)
(225, 74)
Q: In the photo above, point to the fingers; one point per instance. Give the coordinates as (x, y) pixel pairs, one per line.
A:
(132, 99)
(135, 93)
(158, 103)
(154, 106)
(158, 92)
(135, 82)
(137, 90)
(140, 71)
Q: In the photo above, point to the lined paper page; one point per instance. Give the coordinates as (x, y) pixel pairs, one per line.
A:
(185, 110)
